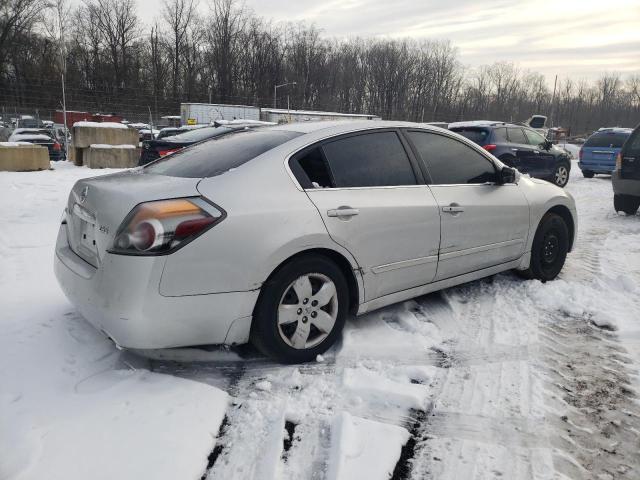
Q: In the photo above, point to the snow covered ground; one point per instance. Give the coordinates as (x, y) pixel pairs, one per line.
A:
(500, 378)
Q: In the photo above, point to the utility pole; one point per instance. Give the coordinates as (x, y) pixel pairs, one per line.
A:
(60, 4)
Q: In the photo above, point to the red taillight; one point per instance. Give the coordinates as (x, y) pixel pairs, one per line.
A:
(490, 148)
(162, 226)
(191, 227)
(57, 147)
(169, 151)
(580, 153)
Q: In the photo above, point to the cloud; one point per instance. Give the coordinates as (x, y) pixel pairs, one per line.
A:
(589, 37)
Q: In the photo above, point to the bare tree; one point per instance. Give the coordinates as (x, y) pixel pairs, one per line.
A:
(178, 14)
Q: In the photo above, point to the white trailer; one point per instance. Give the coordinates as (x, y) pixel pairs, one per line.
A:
(205, 113)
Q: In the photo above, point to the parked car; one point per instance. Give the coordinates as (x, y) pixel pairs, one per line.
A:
(626, 176)
(40, 136)
(519, 147)
(172, 131)
(275, 234)
(154, 149)
(599, 152)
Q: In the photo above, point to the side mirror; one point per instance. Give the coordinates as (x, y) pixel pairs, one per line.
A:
(547, 144)
(507, 175)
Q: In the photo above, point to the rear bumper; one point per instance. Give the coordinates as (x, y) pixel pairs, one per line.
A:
(624, 186)
(605, 168)
(121, 298)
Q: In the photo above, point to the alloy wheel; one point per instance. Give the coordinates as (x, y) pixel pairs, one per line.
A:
(561, 176)
(307, 311)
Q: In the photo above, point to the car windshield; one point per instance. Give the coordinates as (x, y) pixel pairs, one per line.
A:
(607, 140)
(199, 134)
(475, 134)
(208, 159)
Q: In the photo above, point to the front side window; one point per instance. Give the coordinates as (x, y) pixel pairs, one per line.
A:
(534, 138)
(516, 135)
(451, 162)
(220, 154)
(369, 160)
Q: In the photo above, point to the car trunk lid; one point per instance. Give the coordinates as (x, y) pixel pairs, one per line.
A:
(97, 206)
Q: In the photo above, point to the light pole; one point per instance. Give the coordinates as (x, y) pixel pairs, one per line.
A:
(275, 92)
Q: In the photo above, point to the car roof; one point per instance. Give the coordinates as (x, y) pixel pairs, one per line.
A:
(614, 130)
(482, 123)
(345, 126)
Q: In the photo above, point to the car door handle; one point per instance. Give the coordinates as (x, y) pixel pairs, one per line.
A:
(343, 212)
(453, 209)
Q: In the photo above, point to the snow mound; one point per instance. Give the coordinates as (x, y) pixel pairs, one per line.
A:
(104, 146)
(364, 448)
(375, 387)
(14, 144)
(130, 418)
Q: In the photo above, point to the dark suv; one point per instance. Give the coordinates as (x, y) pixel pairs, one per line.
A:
(626, 177)
(519, 147)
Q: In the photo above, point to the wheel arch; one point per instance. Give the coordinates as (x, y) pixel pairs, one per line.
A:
(355, 293)
(566, 215)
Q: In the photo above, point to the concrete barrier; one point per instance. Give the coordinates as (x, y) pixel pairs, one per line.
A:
(24, 158)
(85, 136)
(110, 157)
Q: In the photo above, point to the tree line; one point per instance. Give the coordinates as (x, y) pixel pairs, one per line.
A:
(224, 53)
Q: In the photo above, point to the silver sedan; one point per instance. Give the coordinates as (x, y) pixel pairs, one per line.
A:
(276, 234)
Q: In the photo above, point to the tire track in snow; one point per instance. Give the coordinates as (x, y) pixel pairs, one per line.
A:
(591, 378)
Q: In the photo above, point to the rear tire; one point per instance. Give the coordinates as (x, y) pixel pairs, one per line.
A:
(549, 249)
(301, 310)
(587, 174)
(626, 203)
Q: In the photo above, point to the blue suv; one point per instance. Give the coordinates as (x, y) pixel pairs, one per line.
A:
(519, 147)
(599, 152)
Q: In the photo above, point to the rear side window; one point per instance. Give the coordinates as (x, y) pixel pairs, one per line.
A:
(311, 170)
(516, 135)
(451, 162)
(500, 135)
(607, 140)
(216, 156)
(475, 134)
(369, 160)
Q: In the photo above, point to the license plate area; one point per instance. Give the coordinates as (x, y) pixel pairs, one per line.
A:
(88, 237)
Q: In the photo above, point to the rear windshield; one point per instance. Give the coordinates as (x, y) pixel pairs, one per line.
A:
(220, 154)
(199, 134)
(475, 134)
(607, 140)
(633, 145)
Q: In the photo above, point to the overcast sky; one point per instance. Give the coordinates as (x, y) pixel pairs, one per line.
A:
(576, 38)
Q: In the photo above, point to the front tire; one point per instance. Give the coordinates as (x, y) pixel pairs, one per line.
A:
(549, 249)
(587, 174)
(626, 203)
(301, 310)
(561, 175)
